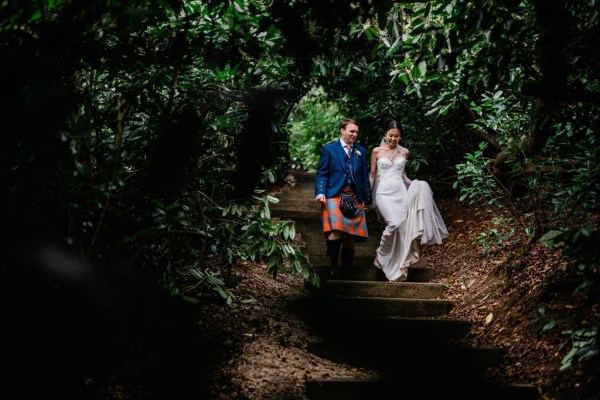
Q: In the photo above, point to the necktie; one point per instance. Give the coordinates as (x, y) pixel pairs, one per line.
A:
(349, 151)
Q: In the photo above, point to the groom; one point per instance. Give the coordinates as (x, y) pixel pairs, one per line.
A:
(343, 169)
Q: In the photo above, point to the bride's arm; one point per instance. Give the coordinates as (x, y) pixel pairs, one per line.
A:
(405, 178)
(373, 168)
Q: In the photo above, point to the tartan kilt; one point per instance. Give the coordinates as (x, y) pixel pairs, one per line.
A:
(334, 220)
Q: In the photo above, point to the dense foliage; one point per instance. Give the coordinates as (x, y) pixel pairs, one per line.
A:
(146, 129)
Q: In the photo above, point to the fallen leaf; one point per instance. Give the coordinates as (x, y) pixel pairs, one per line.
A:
(489, 318)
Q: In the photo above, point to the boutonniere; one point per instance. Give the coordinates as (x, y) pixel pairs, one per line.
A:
(358, 153)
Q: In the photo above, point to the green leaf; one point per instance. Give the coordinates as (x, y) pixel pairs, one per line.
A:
(422, 68)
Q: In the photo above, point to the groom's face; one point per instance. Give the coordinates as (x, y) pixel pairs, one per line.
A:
(350, 133)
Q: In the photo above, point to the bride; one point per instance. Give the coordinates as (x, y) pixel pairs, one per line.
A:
(411, 216)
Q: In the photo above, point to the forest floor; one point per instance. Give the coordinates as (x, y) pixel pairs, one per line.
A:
(509, 295)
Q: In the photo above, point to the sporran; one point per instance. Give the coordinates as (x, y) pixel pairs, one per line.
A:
(349, 205)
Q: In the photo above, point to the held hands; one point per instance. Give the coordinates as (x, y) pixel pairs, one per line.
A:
(320, 198)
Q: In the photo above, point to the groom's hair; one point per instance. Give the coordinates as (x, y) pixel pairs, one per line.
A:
(344, 122)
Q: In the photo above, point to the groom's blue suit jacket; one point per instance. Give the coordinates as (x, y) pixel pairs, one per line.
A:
(331, 171)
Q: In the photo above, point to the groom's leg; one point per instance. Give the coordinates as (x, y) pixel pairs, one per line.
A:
(347, 252)
(334, 243)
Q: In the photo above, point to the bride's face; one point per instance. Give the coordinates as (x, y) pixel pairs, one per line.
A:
(392, 137)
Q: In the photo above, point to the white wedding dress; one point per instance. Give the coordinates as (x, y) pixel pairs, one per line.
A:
(412, 217)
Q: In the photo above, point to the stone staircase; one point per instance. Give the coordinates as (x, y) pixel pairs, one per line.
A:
(401, 330)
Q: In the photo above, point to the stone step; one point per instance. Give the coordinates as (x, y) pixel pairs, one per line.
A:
(407, 290)
(364, 270)
(298, 208)
(363, 249)
(288, 199)
(294, 214)
(292, 187)
(398, 388)
(367, 329)
(295, 200)
(355, 307)
(304, 191)
(289, 193)
(303, 176)
(403, 359)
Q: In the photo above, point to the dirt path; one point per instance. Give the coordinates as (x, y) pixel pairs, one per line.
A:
(264, 340)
